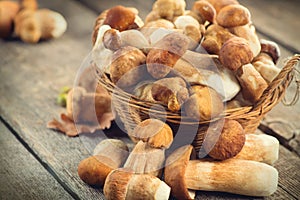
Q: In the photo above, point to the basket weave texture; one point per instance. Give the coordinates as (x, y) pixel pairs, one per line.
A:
(133, 110)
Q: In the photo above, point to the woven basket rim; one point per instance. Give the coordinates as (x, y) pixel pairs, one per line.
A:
(271, 96)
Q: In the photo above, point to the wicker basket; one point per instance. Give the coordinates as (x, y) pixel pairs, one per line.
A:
(133, 110)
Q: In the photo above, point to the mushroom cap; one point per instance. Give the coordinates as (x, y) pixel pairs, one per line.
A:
(94, 170)
(127, 67)
(116, 184)
(156, 133)
(204, 103)
(270, 48)
(235, 53)
(176, 165)
(205, 10)
(233, 15)
(120, 18)
(228, 144)
(219, 4)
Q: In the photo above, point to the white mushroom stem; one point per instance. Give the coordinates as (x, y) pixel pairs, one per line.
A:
(243, 177)
(146, 160)
(125, 185)
(261, 148)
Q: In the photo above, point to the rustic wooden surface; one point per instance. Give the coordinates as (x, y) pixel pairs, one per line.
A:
(30, 78)
(22, 176)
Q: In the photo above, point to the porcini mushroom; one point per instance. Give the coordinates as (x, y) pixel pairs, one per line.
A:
(236, 176)
(235, 53)
(144, 159)
(233, 15)
(125, 185)
(162, 57)
(170, 91)
(270, 48)
(264, 64)
(154, 132)
(127, 68)
(110, 154)
(148, 155)
(227, 143)
(175, 168)
(203, 104)
(260, 147)
(252, 83)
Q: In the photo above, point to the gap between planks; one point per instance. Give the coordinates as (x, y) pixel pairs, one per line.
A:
(44, 164)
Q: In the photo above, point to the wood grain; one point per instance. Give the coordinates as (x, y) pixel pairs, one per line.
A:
(22, 176)
(30, 78)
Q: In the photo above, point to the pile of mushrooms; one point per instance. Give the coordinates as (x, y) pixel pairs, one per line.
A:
(194, 62)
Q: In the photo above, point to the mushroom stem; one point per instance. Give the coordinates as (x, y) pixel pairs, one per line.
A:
(146, 160)
(261, 148)
(125, 185)
(243, 177)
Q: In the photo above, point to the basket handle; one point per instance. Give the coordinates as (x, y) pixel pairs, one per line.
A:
(279, 84)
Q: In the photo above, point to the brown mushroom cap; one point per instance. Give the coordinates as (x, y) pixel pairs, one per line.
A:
(126, 68)
(233, 15)
(219, 4)
(120, 18)
(228, 144)
(204, 103)
(94, 170)
(235, 53)
(155, 132)
(176, 165)
(270, 48)
(205, 10)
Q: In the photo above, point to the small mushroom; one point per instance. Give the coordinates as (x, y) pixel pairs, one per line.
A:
(270, 48)
(205, 10)
(214, 38)
(233, 15)
(154, 132)
(122, 18)
(109, 155)
(144, 159)
(264, 64)
(112, 39)
(124, 184)
(235, 53)
(227, 143)
(248, 32)
(203, 104)
(169, 9)
(163, 56)
(219, 4)
(127, 67)
(252, 83)
(170, 91)
(83, 107)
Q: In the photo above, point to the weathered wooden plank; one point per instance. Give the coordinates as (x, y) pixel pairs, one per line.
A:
(278, 19)
(22, 176)
(31, 76)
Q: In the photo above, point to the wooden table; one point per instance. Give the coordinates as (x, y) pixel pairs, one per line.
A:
(39, 163)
